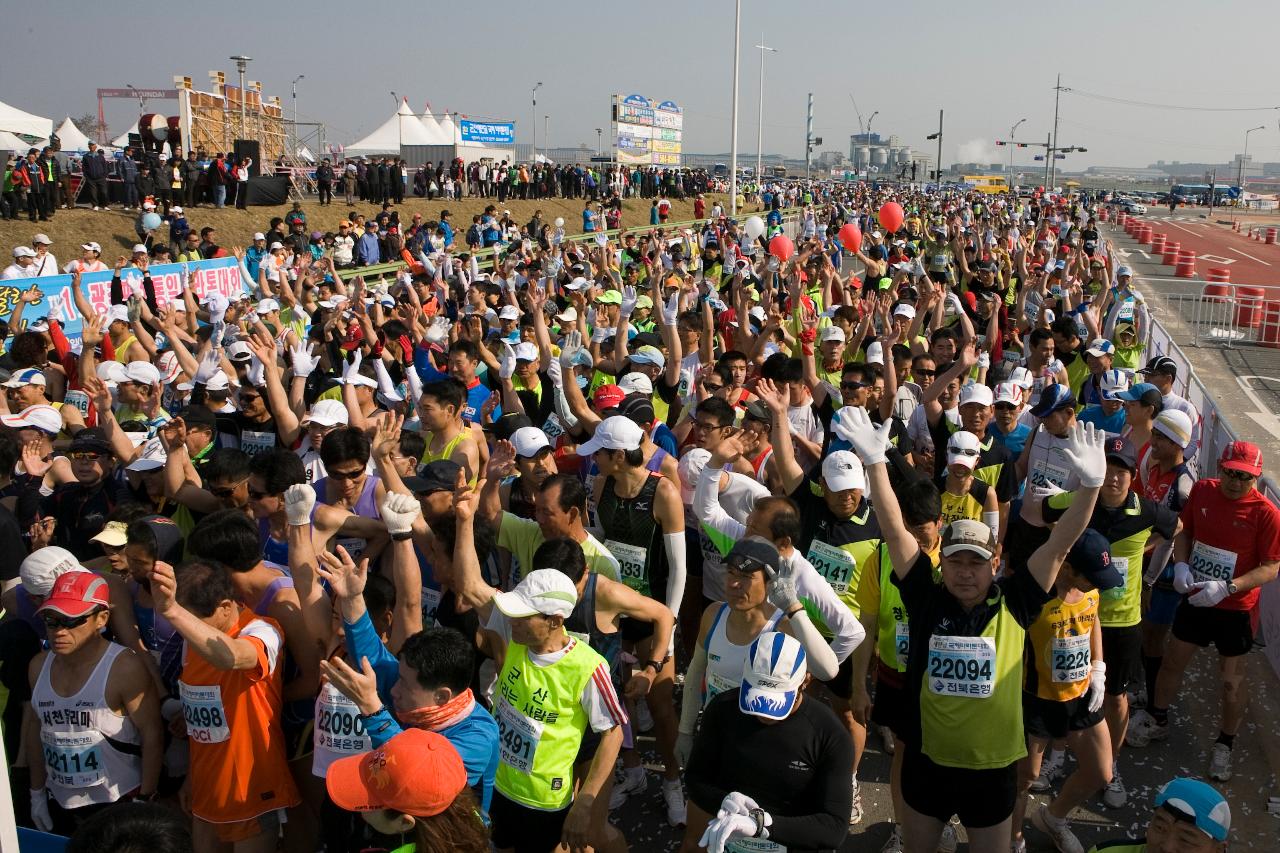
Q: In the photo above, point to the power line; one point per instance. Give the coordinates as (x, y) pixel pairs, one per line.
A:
(1132, 103)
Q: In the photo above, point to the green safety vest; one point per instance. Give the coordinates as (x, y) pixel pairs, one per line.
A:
(540, 725)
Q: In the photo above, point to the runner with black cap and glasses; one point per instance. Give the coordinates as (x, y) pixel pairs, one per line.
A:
(1161, 371)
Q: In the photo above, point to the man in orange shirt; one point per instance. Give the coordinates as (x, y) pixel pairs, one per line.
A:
(239, 783)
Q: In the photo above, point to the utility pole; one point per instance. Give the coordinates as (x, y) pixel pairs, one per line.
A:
(1240, 168)
(1012, 132)
(295, 112)
(733, 120)
(937, 175)
(546, 129)
(1053, 166)
(762, 47)
(808, 136)
(533, 115)
(1048, 160)
(1213, 180)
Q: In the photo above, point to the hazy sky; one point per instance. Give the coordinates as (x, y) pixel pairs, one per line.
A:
(987, 64)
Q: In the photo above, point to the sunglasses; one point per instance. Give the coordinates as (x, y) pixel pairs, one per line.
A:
(1006, 407)
(83, 455)
(249, 398)
(1232, 474)
(711, 389)
(346, 475)
(962, 451)
(224, 492)
(852, 386)
(923, 373)
(256, 495)
(53, 622)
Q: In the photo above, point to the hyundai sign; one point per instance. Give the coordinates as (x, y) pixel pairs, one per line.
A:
(487, 132)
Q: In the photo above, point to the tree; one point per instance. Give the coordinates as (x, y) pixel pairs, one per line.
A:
(90, 126)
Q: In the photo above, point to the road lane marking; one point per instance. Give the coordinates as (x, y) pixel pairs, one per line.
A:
(1217, 259)
(1249, 256)
(1263, 416)
(1188, 230)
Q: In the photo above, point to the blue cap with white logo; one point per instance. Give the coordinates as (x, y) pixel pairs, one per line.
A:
(1197, 802)
(772, 677)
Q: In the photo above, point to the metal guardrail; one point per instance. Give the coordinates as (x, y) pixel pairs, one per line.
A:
(1227, 315)
(487, 257)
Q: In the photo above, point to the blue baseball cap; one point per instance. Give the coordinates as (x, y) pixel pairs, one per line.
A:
(772, 676)
(1091, 557)
(1143, 392)
(1199, 803)
(1052, 398)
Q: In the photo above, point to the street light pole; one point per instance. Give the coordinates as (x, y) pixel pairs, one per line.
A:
(1240, 170)
(599, 140)
(533, 114)
(295, 111)
(937, 175)
(1013, 131)
(733, 120)
(760, 110)
(242, 64)
(546, 130)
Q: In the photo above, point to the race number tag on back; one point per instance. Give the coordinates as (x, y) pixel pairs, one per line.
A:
(430, 604)
(74, 759)
(836, 565)
(338, 724)
(205, 715)
(631, 560)
(1071, 659)
(962, 666)
(1212, 564)
(518, 737)
(902, 642)
(79, 400)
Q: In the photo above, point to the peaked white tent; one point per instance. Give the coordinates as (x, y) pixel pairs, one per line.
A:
(9, 142)
(403, 128)
(437, 134)
(71, 137)
(450, 130)
(15, 120)
(123, 139)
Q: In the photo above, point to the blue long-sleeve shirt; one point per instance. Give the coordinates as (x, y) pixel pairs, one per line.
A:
(367, 251)
(475, 736)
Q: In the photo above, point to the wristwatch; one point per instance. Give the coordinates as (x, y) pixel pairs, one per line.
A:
(656, 664)
(1232, 589)
(757, 814)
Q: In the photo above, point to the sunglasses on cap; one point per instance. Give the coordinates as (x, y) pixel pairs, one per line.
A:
(83, 455)
(961, 451)
(53, 621)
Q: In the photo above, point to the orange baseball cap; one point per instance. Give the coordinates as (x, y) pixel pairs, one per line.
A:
(416, 773)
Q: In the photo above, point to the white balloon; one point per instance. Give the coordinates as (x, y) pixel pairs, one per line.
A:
(559, 221)
(754, 227)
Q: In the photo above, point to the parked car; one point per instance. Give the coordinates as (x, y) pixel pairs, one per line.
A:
(1133, 208)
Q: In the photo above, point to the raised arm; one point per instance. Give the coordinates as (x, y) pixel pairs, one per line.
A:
(854, 425)
(1084, 449)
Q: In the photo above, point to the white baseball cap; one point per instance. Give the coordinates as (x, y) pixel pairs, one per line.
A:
(239, 351)
(530, 441)
(42, 238)
(327, 413)
(217, 382)
(1008, 392)
(139, 249)
(772, 676)
(24, 252)
(615, 433)
(113, 372)
(832, 333)
(975, 393)
(690, 469)
(526, 351)
(91, 247)
(142, 372)
(545, 591)
(963, 448)
(875, 353)
(153, 457)
(905, 310)
(175, 208)
(1112, 382)
(577, 284)
(843, 470)
(275, 245)
(259, 236)
(1021, 377)
(117, 312)
(636, 383)
(27, 376)
(266, 306)
(649, 355)
(570, 315)
(509, 312)
(39, 570)
(40, 416)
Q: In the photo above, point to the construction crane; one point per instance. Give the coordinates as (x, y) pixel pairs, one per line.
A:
(858, 113)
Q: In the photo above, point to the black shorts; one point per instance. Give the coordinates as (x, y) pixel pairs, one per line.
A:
(842, 685)
(636, 630)
(1230, 630)
(523, 829)
(1049, 718)
(979, 798)
(1122, 650)
(890, 707)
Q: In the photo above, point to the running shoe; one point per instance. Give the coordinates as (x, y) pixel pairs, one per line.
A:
(1050, 771)
(1114, 796)
(855, 811)
(1058, 829)
(894, 844)
(632, 780)
(949, 840)
(1143, 729)
(1220, 762)
(673, 795)
(886, 735)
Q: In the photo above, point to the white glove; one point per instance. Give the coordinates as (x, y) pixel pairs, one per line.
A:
(556, 374)
(853, 424)
(353, 368)
(722, 830)
(628, 301)
(984, 359)
(569, 347)
(1097, 685)
(304, 363)
(1084, 449)
(782, 592)
(1046, 491)
(1208, 594)
(736, 803)
(210, 364)
(599, 333)
(40, 810)
(399, 512)
(507, 364)
(684, 748)
(298, 502)
(438, 331)
(1183, 580)
(257, 372)
(671, 310)
(386, 387)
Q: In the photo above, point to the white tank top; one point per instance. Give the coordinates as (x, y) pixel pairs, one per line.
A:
(725, 658)
(1047, 464)
(339, 731)
(82, 739)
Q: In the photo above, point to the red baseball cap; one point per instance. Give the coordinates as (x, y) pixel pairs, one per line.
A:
(416, 773)
(608, 397)
(1242, 456)
(76, 593)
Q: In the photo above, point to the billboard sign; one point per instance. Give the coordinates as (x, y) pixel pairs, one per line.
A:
(488, 132)
(646, 132)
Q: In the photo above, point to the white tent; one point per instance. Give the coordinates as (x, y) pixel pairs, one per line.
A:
(403, 128)
(450, 130)
(71, 137)
(123, 139)
(15, 120)
(434, 130)
(9, 142)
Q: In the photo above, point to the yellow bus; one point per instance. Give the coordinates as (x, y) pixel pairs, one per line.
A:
(992, 184)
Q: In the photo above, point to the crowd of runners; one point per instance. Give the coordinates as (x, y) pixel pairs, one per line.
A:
(348, 565)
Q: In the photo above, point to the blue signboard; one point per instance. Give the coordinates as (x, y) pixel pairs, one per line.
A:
(495, 132)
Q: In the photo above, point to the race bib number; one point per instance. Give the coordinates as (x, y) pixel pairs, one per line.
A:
(902, 642)
(631, 562)
(962, 666)
(1070, 659)
(1046, 473)
(355, 547)
(338, 724)
(718, 682)
(1122, 566)
(836, 565)
(430, 604)
(78, 400)
(74, 759)
(253, 442)
(518, 737)
(754, 845)
(1126, 310)
(206, 718)
(553, 428)
(1212, 564)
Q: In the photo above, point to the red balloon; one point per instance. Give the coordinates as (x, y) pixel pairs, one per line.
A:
(781, 247)
(851, 237)
(891, 216)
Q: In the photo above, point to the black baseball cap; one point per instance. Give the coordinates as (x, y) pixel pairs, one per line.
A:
(438, 476)
(1091, 557)
(1121, 451)
(758, 411)
(93, 440)
(199, 416)
(1161, 364)
(753, 554)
